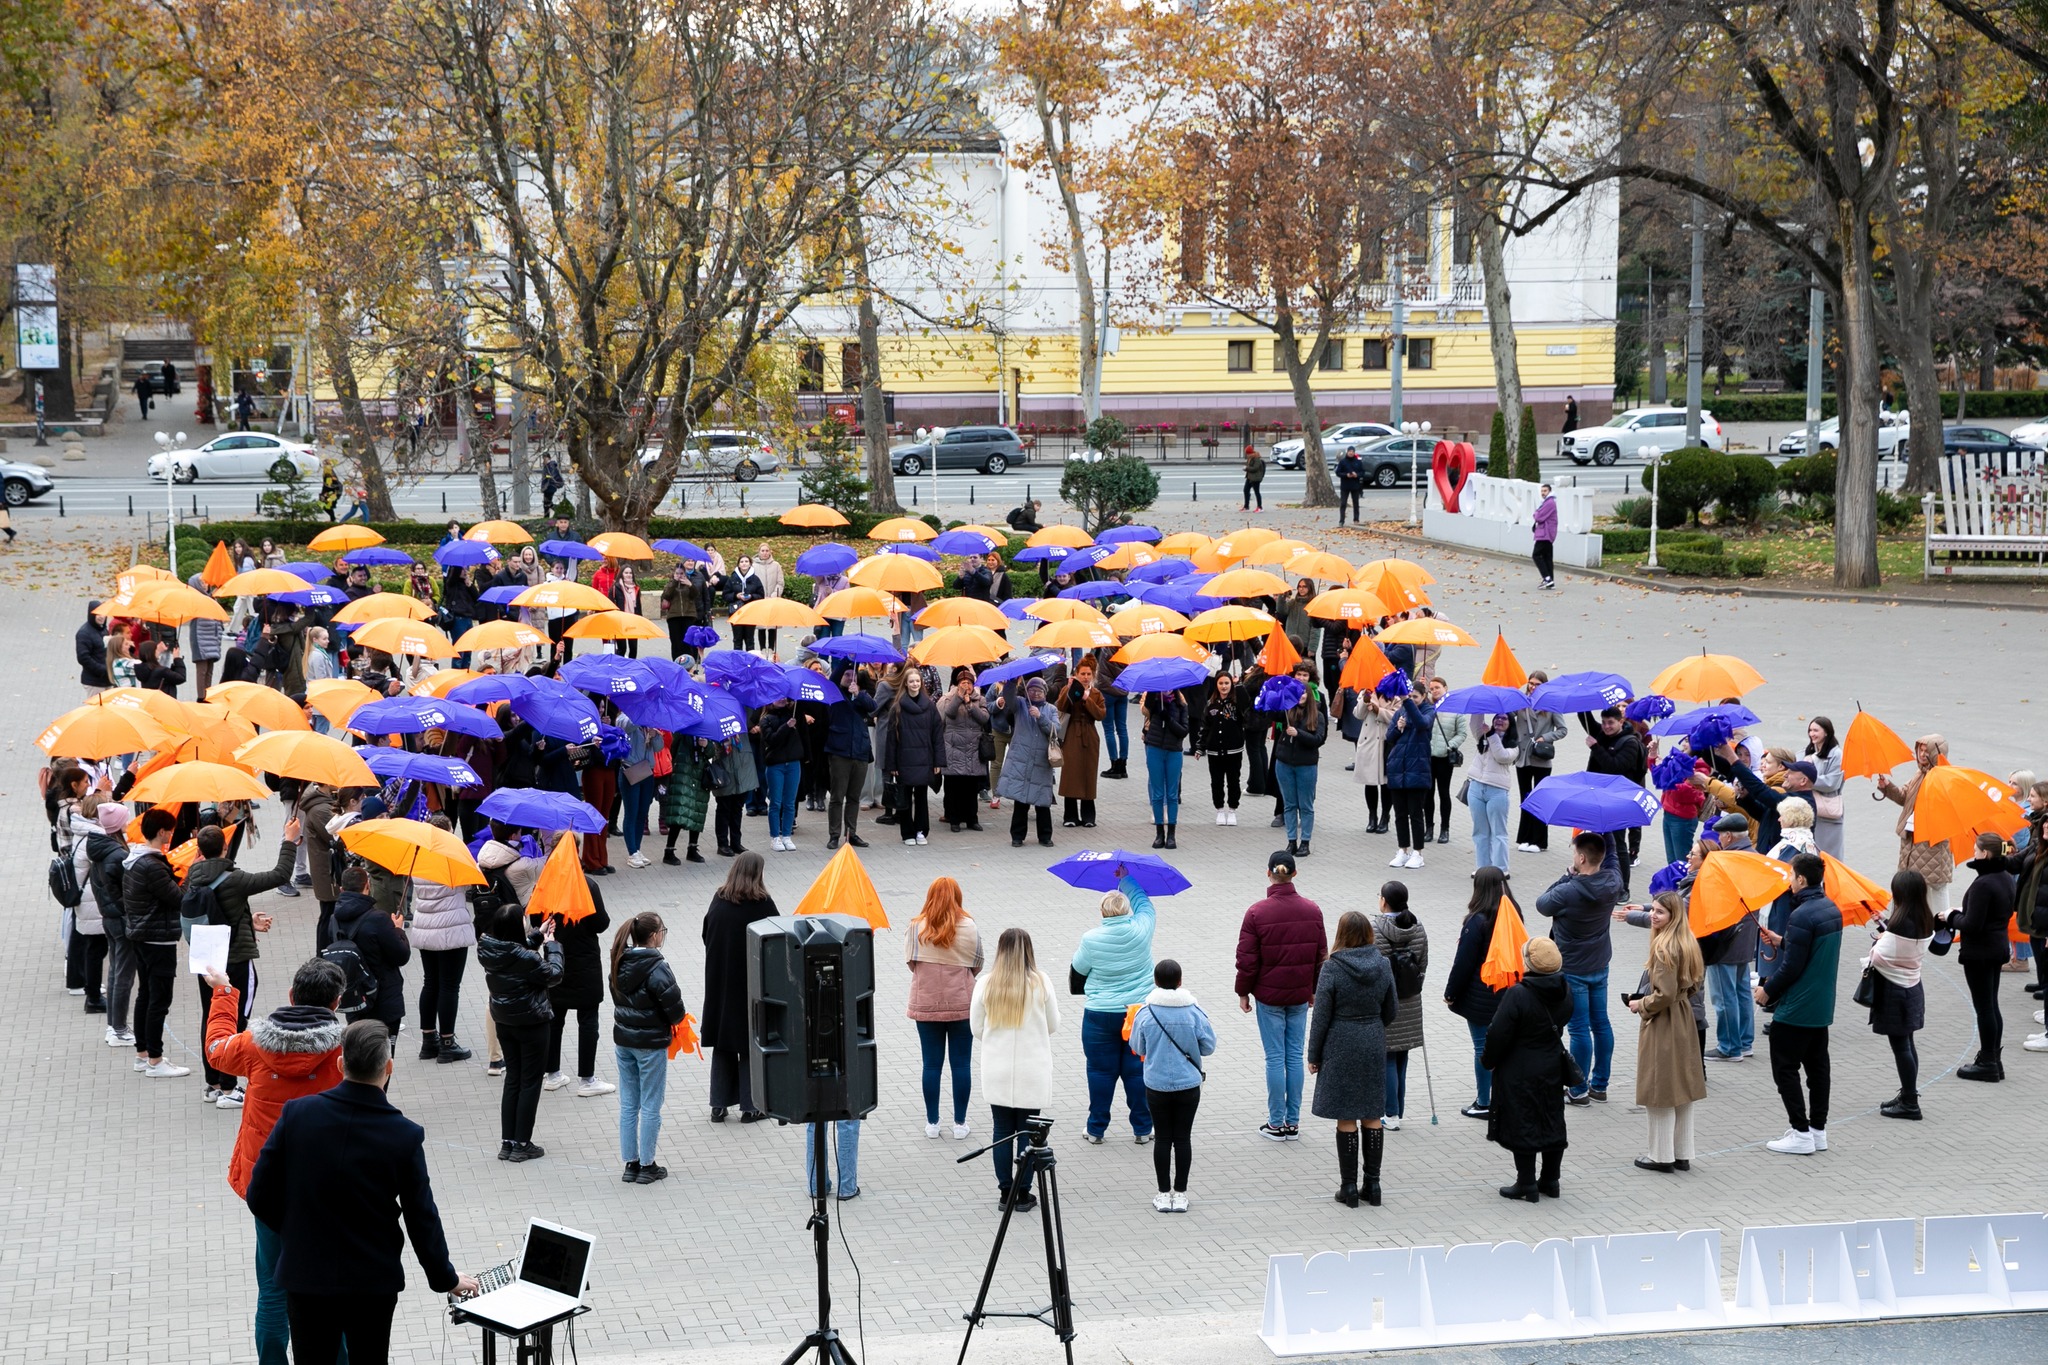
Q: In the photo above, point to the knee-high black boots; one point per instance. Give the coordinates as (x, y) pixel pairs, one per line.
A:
(1347, 1167)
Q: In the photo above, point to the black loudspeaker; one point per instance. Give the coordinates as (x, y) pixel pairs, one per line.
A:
(811, 1017)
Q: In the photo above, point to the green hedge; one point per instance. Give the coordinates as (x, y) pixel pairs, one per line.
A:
(1702, 561)
(1632, 540)
(1791, 407)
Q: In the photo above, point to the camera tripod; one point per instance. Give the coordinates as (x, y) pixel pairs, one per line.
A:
(1035, 1167)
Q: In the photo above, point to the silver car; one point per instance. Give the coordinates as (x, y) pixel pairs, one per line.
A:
(1336, 440)
(22, 483)
(743, 456)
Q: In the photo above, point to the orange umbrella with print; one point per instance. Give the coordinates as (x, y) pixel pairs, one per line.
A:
(1502, 966)
(1855, 895)
(1730, 884)
(1955, 805)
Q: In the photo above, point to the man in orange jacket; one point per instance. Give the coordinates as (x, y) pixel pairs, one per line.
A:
(296, 1051)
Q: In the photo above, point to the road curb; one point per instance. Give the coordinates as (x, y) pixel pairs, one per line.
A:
(1718, 590)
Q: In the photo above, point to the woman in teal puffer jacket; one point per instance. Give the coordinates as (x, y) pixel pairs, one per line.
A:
(1116, 959)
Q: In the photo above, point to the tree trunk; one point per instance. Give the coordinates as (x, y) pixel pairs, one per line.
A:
(1923, 387)
(1057, 133)
(1987, 362)
(1856, 457)
(874, 412)
(1319, 491)
(478, 450)
(1500, 320)
(332, 329)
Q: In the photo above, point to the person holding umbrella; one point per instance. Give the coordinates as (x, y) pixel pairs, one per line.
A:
(1166, 725)
(1114, 960)
(1935, 862)
(1298, 735)
(1466, 992)
(912, 745)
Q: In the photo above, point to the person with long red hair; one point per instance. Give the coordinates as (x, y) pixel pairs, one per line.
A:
(943, 950)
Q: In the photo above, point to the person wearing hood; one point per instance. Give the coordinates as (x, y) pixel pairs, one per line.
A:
(100, 856)
(1115, 961)
(294, 1052)
(1398, 931)
(1172, 1034)
(380, 939)
(519, 967)
(1280, 951)
(1027, 781)
(1531, 1072)
(911, 739)
(89, 645)
(151, 906)
(1801, 993)
(647, 1004)
(1986, 911)
(581, 989)
(963, 720)
(1581, 904)
(1408, 774)
(443, 932)
(1347, 1053)
(232, 889)
(1934, 861)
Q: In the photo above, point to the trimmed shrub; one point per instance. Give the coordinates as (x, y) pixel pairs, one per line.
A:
(1695, 563)
(1896, 511)
(1634, 540)
(1752, 566)
(1751, 481)
(1689, 479)
(1497, 439)
(1809, 476)
(1110, 490)
(1526, 466)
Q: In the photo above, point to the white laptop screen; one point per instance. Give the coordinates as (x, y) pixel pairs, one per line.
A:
(555, 1258)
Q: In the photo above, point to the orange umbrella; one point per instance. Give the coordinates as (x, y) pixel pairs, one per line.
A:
(955, 646)
(499, 533)
(776, 612)
(811, 514)
(844, 888)
(219, 567)
(562, 888)
(996, 533)
(1319, 564)
(1347, 604)
(1503, 669)
(1855, 895)
(1278, 552)
(1731, 883)
(1066, 537)
(1366, 666)
(1871, 747)
(395, 635)
(1502, 965)
(574, 596)
(1279, 656)
(1229, 623)
(901, 530)
(1146, 618)
(613, 625)
(1183, 543)
(1073, 634)
(620, 545)
(413, 848)
(1243, 583)
(199, 782)
(165, 710)
(259, 583)
(683, 1037)
(500, 635)
(163, 601)
(895, 573)
(1398, 582)
(338, 698)
(1206, 560)
(1238, 544)
(1129, 555)
(1707, 678)
(442, 681)
(858, 603)
(1162, 645)
(1955, 805)
(345, 537)
(1436, 631)
(307, 757)
(380, 606)
(964, 611)
(1063, 609)
(101, 732)
(269, 708)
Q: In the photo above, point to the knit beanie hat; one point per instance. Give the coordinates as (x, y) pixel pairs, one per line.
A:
(1542, 956)
(113, 817)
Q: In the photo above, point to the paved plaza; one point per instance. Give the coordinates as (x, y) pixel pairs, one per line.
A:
(120, 1240)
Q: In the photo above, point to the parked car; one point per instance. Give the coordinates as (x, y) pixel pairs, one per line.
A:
(2034, 433)
(723, 454)
(238, 455)
(991, 450)
(1959, 438)
(22, 483)
(1336, 440)
(1628, 432)
(1389, 459)
(1892, 430)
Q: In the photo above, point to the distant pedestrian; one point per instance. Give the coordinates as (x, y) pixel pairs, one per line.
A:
(245, 409)
(1350, 485)
(1571, 414)
(1013, 1015)
(1173, 1034)
(1347, 1053)
(647, 1004)
(170, 379)
(550, 483)
(1544, 529)
(1254, 475)
(144, 392)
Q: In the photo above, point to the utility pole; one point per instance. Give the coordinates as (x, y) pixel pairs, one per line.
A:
(1653, 341)
(1816, 323)
(1399, 308)
(521, 473)
(1696, 311)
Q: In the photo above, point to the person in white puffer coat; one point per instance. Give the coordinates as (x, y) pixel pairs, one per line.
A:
(442, 933)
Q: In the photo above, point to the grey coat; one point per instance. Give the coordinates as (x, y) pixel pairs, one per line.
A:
(1535, 726)
(1405, 1033)
(964, 724)
(1027, 768)
(1347, 1034)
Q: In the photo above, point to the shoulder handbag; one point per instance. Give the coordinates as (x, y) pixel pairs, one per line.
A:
(985, 747)
(1077, 982)
(1465, 792)
(1866, 989)
(1828, 807)
(1055, 753)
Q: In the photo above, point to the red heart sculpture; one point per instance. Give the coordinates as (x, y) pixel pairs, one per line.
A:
(1451, 465)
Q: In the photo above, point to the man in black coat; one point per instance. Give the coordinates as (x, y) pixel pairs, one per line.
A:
(334, 1178)
(150, 910)
(1617, 749)
(1350, 484)
(380, 942)
(1984, 951)
(90, 645)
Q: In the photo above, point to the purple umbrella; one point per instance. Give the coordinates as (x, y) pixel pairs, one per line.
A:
(1160, 675)
(1102, 587)
(1117, 535)
(1016, 668)
(567, 549)
(1482, 700)
(417, 715)
(463, 553)
(1582, 692)
(804, 685)
(1161, 570)
(609, 675)
(492, 687)
(375, 554)
(1086, 558)
(822, 561)
(863, 649)
(963, 543)
(1016, 608)
(501, 597)
(754, 681)
(684, 549)
(711, 714)
(312, 570)
(447, 772)
(1600, 802)
(530, 808)
(1093, 871)
(558, 711)
(700, 637)
(317, 596)
(1031, 554)
(924, 552)
(1731, 714)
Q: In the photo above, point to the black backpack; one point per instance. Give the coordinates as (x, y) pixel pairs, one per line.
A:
(1407, 965)
(202, 903)
(361, 991)
(64, 883)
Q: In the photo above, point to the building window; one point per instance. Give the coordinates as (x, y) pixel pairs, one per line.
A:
(849, 366)
(1421, 353)
(1331, 357)
(1372, 354)
(810, 368)
(1240, 357)
(1280, 355)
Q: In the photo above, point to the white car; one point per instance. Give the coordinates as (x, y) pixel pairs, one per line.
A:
(1892, 429)
(1628, 432)
(237, 455)
(723, 454)
(1337, 440)
(2034, 433)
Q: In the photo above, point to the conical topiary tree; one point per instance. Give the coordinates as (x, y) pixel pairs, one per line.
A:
(1497, 446)
(1526, 465)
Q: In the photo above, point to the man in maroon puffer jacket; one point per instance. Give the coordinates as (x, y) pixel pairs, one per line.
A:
(1280, 949)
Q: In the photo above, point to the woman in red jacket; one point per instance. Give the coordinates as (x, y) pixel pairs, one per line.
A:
(1682, 807)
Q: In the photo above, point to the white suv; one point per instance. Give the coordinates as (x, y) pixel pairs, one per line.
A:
(1628, 432)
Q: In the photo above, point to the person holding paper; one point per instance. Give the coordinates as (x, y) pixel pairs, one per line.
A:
(231, 891)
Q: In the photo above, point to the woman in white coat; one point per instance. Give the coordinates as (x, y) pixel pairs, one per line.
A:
(1013, 1016)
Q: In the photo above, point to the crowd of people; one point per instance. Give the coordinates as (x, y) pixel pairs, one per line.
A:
(1337, 1012)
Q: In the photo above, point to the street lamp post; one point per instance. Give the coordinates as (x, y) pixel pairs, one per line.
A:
(1414, 468)
(166, 442)
(1652, 457)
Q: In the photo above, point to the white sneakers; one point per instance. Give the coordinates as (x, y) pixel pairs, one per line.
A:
(1391, 1122)
(230, 1099)
(592, 1087)
(2036, 1042)
(638, 860)
(74, 990)
(1406, 858)
(1232, 817)
(959, 1132)
(920, 840)
(931, 1130)
(1180, 1201)
(1162, 1203)
(1796, 1143)
(1415, 858)
(118, 1038)
(163, 1070)
(1527, 848)
(554, 1080)
(1219, 817)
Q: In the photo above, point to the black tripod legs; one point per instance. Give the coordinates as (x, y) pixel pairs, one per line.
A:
(1035, 1168)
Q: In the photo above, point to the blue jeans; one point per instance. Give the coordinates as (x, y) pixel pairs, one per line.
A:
(782, 780)
(1297, 782)
(1678, 836)
(634, 799)
(1592, 1034)
(1734, 1008)
(1109, 1059)
(1482, 1078)
(1162, 777)
(848, 1159)
(1116, 732)
(938, 1041)
(1397, 1084)
(273, 1327)
(1283, 1033)
(1489, 824)
(643, 1081)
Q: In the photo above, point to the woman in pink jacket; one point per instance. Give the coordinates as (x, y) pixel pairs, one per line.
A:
(943, 949)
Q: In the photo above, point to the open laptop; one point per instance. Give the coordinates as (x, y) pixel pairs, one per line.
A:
(554, 1270)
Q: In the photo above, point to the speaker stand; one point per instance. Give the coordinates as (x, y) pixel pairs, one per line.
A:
(824, 1341)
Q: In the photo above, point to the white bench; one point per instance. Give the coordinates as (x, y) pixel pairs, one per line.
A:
(1993, 517)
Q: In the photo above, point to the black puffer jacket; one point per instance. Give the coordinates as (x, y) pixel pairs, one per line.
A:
(647, 1003)
(582, 983)
(1166, 720)
(150, 899)
(384, 948)
(518, 978)
(104, 854)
